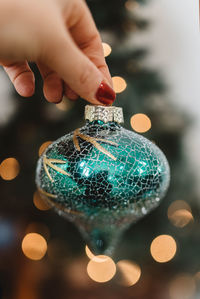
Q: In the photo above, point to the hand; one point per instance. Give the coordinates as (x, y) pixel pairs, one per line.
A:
(61, 37)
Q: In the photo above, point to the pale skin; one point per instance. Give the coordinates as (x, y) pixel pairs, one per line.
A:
(60, 36)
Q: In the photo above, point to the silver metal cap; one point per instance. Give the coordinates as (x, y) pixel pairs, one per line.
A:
(104, 113)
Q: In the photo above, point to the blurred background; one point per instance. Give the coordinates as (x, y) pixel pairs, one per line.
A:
(153, 51)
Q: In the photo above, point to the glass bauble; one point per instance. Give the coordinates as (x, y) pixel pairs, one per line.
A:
(102, 177)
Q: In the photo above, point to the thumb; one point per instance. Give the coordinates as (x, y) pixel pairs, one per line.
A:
(78, 71)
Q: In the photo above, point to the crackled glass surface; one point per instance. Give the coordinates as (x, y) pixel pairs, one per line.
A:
(102, 177)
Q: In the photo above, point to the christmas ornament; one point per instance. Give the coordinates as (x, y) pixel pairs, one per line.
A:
(102, 177)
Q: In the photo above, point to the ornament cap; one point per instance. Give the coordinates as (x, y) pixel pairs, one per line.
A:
(104, 113)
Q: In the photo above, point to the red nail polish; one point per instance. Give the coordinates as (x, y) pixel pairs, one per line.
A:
(105, 94)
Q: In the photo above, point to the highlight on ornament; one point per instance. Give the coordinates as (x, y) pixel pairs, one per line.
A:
(140, 123)
(9, 169)
(119, 84)
(179, 213)
(163, 248)
(106, 49)
(130, 273)
(101, 268)
(34, 246)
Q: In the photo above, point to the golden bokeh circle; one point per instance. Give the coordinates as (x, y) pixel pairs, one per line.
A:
(89, 253)
(39, 202)
(106, 49)
(182, 287)
(119, 84)
(34, 246)
(140, 123)
(101, 268)
(9, 169)
(163, 248)
(181, 218)
(179, 213)
(130, 272)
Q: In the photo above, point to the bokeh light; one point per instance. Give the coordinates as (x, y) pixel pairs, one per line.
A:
(43, 147)
(163, 248)
(39, 203)
(130, 272)
(101, 268)
(140, 123)
(181, 218)
(39, 228)
(179, 213)
(9, 169)
(106, 49)
(182, 287)
(131, 5)
(197, 275)
(76, 275)
(89, 253)
(34, 246)
(64, 105)
(178, 205)
(119, 84)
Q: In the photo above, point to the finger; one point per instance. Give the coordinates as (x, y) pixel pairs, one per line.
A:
(53, 84)
(21, 76)
(70, 94)
(86, 36)
(76, 69)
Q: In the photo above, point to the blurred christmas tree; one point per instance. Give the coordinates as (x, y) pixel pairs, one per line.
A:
(35, 121)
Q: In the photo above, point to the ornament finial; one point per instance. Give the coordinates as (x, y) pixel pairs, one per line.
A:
(104, 113)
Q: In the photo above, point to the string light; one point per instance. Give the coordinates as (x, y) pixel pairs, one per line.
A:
(39, 203)
(89, 253)
(140, 122)
(163, 248)
(182, 286)
(119, 84)
(106, 49)
(43, 147)
(130, 272)
(101, 268)
(179, 213)
(34, 246)
(9, 169)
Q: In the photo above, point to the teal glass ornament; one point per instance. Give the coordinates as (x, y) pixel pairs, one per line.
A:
(102, 177)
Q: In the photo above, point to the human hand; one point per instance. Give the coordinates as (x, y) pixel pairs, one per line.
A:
(61, 37)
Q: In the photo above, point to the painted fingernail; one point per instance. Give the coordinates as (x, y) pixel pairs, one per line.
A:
(105, 94)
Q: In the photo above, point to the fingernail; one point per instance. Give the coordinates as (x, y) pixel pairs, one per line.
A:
(105, 94)
(58, 102)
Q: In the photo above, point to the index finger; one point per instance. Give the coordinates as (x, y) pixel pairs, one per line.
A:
(85, 34)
